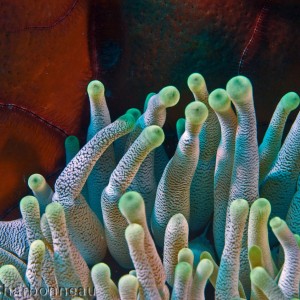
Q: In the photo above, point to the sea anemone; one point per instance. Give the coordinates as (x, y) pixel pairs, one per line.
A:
(173, 224)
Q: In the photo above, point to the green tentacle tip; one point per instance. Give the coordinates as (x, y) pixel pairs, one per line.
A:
(134, 233)
(136, 113)
(54, 209)
(38, 245)
(128, 282)
(258, 276)
(187, 255)
(154, 135)
(196, 113)
(290, 101)
(183, 270)
(131, 205)
(206, 255)
(255, 256)
(101, 270)
(95, 89)
(205, 268)
(72, 142)
(239, 88)
(261, 205)
(169, 96)
(147, 100)
(276, 222)
(239, 207)
(35, 181)
(128, 118)
(219, 100)
(28, 203)
(196, 82)
(8, 272)
(297, 238)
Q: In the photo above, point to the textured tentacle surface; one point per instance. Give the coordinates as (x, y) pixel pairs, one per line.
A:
(173, 196)
(115, 224)
(134, 234)
(202, 188)
(221, 104)
(41, 190)
(281, 182)
(128, 287)
(182, 281)
(290, 275)
(176, 238)
(271, 143)
(230, 260)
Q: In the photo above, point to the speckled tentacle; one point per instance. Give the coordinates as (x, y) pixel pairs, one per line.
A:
(63, 260)
(258, 232)
(134, 234)
(221, 104)
(245, 172)
(290, 275)
(202, 188)
(29, 207)
(41, 190)
(182, 281)
(270, 146)
(13, 281)
(99, 119)
(86, 231)
(260, 277)
(104, 286)
(228, 276)
(13, 237)
(292, 218)
(173, 195)
(145, 180)
(256, 260)
(132, 208)
(120, 179)
(7, 258)
(280, 184)
(213, 277)
(203, 272)
(34, 266)
(128, 287)
(176, 238)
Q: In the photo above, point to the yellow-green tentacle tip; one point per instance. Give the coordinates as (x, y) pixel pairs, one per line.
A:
(54, 210)
(290, 101)
(9, 275)
(297, 238)
(187, 255)
(128, 282)
(95, 89)
(219, 100)
(131, 205)
(183, 270)
(204, 269)
(154, 135)
(134, 233)
(136, 113)
(277, 224)
(169, 96)
(147, 100)
(239, 207)
(38, 247)
(100, 270)
(196, 82)
(128, 118)
(72, 142)
(255, 256)
(35, 181)
(239, 88)
(196, 113)
(28, 203)
(261, 206)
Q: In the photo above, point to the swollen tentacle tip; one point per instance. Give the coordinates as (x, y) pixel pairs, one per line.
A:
(72, 142)
(290, 101)
(154, 135)
(183, 270)
(205, 268)
(100, 270)
(38, 248)
(219, 100)
(261, 205)
(196, 113)
(136, 113)
(134, 233)
(128, 282)
(169, 96)
(276, 223)
(196, 82)
(129, 119)
(54, 209)
(258, 275)
(187, 255)
(239, 89)
(255, 256)
(28, 202)
(131, 205)
(8, 272)
(95, 89)
(36, 181)
(239, 207)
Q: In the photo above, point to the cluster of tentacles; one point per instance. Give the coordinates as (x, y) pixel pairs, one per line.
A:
(121, 183)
